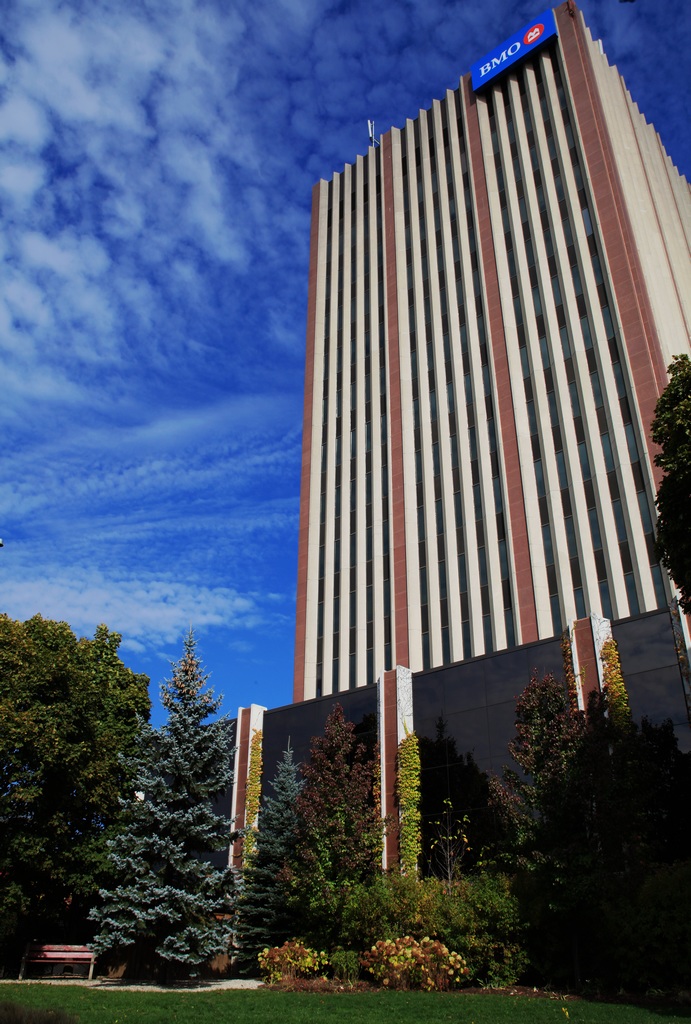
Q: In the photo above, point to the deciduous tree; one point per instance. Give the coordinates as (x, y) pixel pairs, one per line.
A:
(598, 802)
(69, 709)
(671, 429)
(340, 830)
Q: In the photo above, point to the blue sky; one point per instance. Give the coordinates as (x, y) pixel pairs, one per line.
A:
(156, 165)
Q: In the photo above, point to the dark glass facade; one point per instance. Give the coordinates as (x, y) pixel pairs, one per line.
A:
(476, 699)
(296, 724)
(464, 716)
(651, 671)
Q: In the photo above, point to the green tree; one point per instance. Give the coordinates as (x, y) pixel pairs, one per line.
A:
(543, 803)
(169, 902)
(69, 709)
(264, 917)
(340, 831)
(597, 803)
(671, 429)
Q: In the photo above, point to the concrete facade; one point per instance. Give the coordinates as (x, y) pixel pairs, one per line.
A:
(495, 292)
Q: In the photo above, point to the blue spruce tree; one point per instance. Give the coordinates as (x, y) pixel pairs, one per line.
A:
(264, 916)
(171, 904)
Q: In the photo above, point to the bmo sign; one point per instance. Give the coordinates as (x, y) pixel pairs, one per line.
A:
(514, 49)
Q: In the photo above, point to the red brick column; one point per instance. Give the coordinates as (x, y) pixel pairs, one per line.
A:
(388, 733)
(587, 658)
(240, 780)
(401, 645)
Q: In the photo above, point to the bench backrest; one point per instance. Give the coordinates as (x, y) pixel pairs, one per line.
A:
(35, 951)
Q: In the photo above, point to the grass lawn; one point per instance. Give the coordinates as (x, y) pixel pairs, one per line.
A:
(213, 1006)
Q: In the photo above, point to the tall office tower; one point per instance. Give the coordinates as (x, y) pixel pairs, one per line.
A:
(495, 293)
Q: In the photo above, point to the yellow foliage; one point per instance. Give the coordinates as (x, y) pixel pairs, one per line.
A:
(253, 793)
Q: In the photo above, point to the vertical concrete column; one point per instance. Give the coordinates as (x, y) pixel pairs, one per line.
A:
(588, 637)
(602, 631)
(629, 287)
(395, 714)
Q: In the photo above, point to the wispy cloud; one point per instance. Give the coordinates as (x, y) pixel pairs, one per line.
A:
(148, 611)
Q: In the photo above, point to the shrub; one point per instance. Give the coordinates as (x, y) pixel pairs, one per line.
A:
(290, 961)
(649, 930)
(406, 963)
(389, 906)
(345, 964)
(480, 918)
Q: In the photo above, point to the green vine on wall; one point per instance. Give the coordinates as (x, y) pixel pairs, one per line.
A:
(376, 791)
(569, 674)
(682, 655)
(253, 793)
(613, 684)
(408, 793)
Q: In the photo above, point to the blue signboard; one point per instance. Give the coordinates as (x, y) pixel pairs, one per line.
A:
(513, 49)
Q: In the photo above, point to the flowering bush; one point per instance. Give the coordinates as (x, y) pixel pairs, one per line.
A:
(406, 963)
(290, 961)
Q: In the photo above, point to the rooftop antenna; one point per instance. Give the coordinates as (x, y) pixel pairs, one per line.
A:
(370, 128)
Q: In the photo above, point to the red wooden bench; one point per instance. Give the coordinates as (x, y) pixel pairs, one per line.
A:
(69, 955)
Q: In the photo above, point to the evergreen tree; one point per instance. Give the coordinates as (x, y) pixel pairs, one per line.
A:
(170, 903)
(264, 918)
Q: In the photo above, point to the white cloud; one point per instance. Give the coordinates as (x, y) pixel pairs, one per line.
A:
(27, 301)
(21, 180)
(82, 70)
(22, 121)
(65, 255)
(41, 251)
